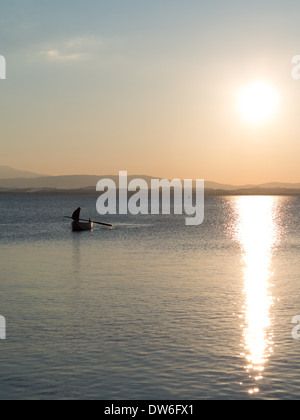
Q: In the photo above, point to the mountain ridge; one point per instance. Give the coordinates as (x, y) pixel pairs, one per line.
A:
(7, 172)
(30, 180)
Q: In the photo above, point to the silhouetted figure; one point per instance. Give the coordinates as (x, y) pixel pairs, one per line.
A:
(76, 215)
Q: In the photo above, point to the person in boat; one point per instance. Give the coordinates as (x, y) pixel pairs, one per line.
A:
(76, 215)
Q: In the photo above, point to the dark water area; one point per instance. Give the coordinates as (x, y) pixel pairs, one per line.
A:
(152, 309)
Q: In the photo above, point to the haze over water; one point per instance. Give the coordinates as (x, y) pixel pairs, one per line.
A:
(152, 309)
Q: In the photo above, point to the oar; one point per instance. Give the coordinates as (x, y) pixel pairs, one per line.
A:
(84, 220)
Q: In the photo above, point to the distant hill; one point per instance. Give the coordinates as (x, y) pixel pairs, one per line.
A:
(91, 191)
(280, 185)
(6, 172)
(63, 182)
(85, 181)
(12, 179)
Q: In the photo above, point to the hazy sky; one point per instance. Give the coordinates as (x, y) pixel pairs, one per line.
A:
(150, 87)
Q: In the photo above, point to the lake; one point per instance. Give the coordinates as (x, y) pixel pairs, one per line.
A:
(152, 309)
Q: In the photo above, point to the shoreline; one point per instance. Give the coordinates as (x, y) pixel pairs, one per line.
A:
(91, 192)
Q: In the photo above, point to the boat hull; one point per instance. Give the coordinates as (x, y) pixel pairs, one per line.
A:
(82, 227)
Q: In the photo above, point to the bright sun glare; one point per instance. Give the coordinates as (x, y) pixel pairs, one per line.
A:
(258, 102)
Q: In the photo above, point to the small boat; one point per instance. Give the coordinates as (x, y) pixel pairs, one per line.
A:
(82, 226)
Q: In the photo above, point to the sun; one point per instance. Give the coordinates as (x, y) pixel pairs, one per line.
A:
(258, 102)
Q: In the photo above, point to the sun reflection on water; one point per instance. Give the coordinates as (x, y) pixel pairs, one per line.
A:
(258, 234)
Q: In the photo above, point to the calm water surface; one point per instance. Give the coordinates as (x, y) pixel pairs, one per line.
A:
(152, 309)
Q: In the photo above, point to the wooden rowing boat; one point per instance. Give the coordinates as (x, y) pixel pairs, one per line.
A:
(82, 226)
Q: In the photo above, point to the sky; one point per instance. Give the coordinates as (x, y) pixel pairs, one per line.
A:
(151, 87)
